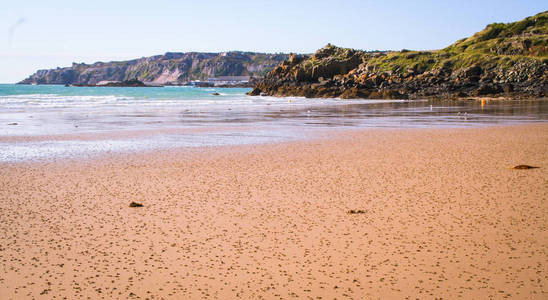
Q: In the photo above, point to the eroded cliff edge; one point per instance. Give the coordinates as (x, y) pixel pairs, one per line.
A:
(508, 60)
(170, 68)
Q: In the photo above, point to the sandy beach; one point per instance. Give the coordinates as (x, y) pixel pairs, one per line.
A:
(443, 216)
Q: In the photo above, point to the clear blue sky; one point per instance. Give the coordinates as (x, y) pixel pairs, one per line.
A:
(50, 33)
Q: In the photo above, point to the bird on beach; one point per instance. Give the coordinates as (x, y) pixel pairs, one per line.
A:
(462, 116)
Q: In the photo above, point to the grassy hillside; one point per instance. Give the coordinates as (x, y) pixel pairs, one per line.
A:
(501, 44)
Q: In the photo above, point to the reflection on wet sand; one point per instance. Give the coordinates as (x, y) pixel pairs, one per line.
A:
(73, 133)
(384, 114)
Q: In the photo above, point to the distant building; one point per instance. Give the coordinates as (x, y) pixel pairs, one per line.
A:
(228, 80)
(199, 83)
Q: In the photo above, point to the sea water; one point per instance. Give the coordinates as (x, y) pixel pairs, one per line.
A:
(53, 121)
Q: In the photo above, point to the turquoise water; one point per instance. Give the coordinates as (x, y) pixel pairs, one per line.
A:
(53, 121)
(158, 93)
(58, 96)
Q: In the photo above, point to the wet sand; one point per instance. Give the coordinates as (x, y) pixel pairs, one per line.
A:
(444, 217)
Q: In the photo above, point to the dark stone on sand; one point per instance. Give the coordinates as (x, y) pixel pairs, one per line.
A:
(135, 204)
(353, 211)
(524, 167)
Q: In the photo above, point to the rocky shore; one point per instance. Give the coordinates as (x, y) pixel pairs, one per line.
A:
(503, 60)
(124, 83)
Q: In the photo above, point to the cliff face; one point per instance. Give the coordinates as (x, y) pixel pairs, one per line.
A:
(502, 60)
(170, 68)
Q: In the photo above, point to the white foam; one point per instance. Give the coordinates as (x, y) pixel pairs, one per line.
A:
(59, 101)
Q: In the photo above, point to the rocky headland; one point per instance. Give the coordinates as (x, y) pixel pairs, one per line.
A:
(172, 68)
(503, 60)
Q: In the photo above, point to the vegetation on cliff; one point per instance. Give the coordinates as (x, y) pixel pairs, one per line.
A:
(503, 59)
(170, 68)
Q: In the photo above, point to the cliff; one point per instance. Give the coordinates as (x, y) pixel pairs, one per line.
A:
(501, 60)
(170, 68)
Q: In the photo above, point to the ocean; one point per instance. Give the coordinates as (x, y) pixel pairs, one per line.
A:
(44, 122)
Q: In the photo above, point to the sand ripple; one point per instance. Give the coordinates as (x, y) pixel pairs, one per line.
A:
(443, 216)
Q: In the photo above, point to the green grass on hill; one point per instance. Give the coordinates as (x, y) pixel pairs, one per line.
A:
(498, 44)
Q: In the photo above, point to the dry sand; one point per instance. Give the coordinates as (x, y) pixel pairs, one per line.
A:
(445, 217)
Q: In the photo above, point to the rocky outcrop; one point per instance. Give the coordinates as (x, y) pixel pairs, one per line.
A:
(124, 83)
(170, 68)
(502, 60)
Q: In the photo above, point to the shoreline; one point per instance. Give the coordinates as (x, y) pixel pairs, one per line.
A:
(440, 98)
(445, 216)
(437, 98)
(95, 145)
